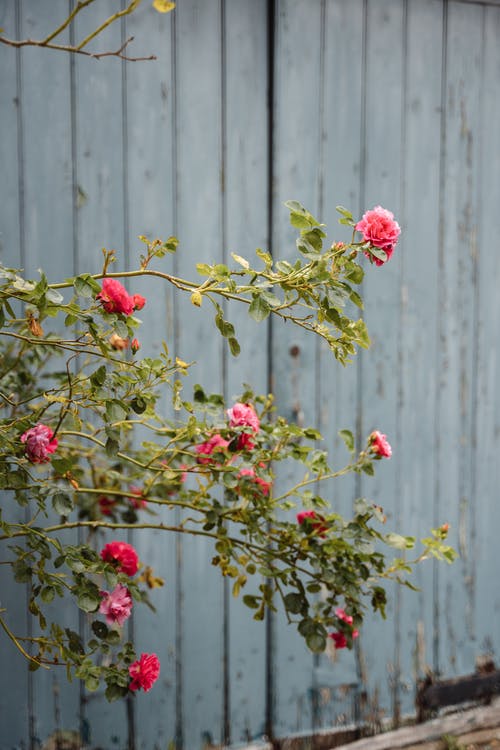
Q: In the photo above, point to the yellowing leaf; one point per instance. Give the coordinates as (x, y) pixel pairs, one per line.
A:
(163, 6)
(242, 261)
(196, 298)
(181, 363)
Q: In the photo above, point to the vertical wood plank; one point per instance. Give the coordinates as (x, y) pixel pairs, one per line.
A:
(487, 415)
(198, 39)
(48, 233)
(456, 355)
(294, 373)
(336, 679)
(246, 207)
(99, 195)
(419, 313)
(378, 367)
(15, 732)
(150, 209)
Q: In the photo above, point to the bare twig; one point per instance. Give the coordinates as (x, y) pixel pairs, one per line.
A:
(78, 49)
(71, 48)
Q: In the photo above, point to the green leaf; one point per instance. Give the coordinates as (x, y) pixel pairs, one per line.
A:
(294, 603)
(86, 286)
(98, 377)
(89, 600)
(251, 601)
(259, 309)
(368, 468)
(112, 447)
(316, 642)
(92, 683)
(234, 346)
(171, 244)
(204, 269)
(378, 253)
(62, 503)
(54, 297)
(116, 411)
(100, 629)
(348, 439)
(47, 594)
(398, 541)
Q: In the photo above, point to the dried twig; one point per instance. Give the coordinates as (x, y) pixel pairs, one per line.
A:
(79, 48)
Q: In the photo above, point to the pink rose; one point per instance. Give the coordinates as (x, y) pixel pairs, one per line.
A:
(117, 605)
(137, 500)
(115, 298)
(379, 228)
(215, 444)
(139, 301)
(122, 554)
(39, 443)
(144, 672)
(315, 520)
(339, 637)
(243, 415)
(106, 505)
(380, 445)
(342, 616)
(249, 474)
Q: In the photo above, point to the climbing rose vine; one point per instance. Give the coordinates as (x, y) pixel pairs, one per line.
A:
(84, 446)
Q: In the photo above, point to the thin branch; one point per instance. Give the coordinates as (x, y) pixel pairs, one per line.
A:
(75, 50)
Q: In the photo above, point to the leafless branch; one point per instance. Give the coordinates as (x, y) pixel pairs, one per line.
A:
(78, 49)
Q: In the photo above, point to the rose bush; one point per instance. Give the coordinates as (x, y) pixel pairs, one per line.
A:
(68, 446)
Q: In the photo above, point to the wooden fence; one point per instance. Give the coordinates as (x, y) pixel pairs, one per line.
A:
(250, 103)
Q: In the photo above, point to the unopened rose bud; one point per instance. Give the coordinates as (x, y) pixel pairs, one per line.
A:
(135, 346)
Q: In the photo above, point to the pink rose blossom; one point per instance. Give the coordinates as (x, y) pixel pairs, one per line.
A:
(379, 228)
(250, 474)
(124, 555)
(380, 445)
(115, 298)
(215, 444)
(339, 639)
(117, 605)
(137, 500)
(316, 521)
(106, 505)
(39, 443)
(144, 672)
(243, 415)
(342, 616)
(139, 301)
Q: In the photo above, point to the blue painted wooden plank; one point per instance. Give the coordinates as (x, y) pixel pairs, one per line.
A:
(336, 673)
(246, 208)
(199, 217)
(419, 313)
(378, 367)
(150, 212)
(457, 331)
(14, 733)
(48, 241)
(294, 374)
(99, 195)
(486, 448)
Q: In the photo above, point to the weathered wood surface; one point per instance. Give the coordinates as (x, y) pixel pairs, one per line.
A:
(352, 102)
(476, 726)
